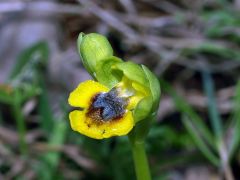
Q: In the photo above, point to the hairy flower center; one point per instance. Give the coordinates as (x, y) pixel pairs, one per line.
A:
(107, 106)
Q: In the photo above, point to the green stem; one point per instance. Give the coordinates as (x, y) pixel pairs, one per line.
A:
(140, 161)
(20, 122)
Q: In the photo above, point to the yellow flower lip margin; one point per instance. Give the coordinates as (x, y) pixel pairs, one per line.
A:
(82, 123)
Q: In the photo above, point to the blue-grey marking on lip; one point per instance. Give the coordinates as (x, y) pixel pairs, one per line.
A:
(110, 104)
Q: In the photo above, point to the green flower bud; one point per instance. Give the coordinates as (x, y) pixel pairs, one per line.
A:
(92, 49)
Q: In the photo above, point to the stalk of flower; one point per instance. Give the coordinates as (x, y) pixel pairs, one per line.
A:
(122, 99)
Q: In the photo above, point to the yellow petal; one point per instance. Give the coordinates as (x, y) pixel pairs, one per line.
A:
(75, 119)
(80, 123)
(120, 126)
(82, 95)
(86, 126)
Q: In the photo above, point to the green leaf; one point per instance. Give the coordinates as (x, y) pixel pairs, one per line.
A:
(20, 121)
(46, 115)
(25, 74)
(37, 51)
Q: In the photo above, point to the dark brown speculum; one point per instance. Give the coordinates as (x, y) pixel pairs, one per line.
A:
(107, 106)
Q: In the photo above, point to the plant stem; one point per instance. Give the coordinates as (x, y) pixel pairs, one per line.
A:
(140, 161)
(20, 122)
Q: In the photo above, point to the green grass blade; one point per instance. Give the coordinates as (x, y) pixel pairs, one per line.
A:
(38, 50)
(236, 118)
(185, 108)
(215, 118)
(46, 116)
(194, 131)
(50, 160)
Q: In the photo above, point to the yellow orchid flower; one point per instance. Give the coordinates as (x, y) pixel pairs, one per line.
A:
(102, 112)
(122, 94)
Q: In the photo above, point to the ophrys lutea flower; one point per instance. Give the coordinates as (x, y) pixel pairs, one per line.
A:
(121, 94)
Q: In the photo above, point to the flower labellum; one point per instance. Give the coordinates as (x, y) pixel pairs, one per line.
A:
(104, 113)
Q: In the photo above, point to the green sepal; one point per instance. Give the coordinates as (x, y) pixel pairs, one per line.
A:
(143, 109)
(133, 72)
(154, 86)
(106, 74)
(146, 109)
(93, 48)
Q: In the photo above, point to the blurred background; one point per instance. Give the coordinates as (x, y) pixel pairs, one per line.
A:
(192, 47)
